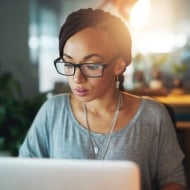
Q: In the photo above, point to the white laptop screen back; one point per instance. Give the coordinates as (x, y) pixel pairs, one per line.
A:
(54, 174)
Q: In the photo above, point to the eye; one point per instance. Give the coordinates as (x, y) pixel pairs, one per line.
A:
(69, 65)
(93, 66)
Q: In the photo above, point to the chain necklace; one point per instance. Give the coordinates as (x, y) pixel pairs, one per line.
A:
(94, 145)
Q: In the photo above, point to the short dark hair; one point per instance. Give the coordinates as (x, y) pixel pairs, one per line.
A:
(112, 24)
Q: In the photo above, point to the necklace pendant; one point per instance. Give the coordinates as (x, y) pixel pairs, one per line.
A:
(96, 150)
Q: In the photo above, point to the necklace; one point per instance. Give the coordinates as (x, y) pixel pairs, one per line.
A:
(94, 145)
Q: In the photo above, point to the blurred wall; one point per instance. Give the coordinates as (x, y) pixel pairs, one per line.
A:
(16, 18)
(14, 51)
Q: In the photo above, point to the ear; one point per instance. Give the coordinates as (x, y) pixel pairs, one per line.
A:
(120, 66)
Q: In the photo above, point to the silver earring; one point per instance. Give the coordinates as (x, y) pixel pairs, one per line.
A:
(117, 82)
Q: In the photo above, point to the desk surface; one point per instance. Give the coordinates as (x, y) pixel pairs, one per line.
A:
(181, 104)
(183, 125)
(176, 100)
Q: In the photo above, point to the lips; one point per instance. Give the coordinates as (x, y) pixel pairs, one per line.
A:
(80, 91)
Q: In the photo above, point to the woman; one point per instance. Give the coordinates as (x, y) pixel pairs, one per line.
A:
(97, 121)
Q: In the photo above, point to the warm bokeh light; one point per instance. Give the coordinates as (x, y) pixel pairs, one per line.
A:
(158, 42)
(152, 34)
(139, 13)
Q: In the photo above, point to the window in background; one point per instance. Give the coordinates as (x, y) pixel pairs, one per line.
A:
(43, 44)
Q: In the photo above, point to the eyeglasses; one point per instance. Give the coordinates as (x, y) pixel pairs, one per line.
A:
(87, 69)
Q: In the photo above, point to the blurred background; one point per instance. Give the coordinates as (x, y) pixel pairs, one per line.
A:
(29, 43)
(160, 32)
(29, 31)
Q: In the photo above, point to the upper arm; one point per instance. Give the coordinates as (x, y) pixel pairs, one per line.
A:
(170, 162)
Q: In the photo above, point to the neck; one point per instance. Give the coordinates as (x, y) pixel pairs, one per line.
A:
(104, 105)
(100, 121)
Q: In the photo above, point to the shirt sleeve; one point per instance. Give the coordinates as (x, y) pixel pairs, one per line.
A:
(170, 160)
(36, 142)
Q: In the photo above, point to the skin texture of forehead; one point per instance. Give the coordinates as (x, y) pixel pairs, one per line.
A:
(91, 40)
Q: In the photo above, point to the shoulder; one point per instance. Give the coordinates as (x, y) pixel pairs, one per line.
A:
(157, 114)
(148, 109)
(55, 103)
(152, 104)
(144, 103)
(153, 109)
(53, 108)
(57, 100)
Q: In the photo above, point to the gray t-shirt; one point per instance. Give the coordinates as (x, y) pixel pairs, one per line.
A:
(149, 140)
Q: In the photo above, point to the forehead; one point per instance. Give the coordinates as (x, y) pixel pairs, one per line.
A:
(90, 40)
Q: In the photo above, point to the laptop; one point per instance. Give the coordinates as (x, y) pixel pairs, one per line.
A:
(61, 174)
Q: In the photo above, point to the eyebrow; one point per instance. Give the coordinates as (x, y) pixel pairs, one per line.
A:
(86, 57)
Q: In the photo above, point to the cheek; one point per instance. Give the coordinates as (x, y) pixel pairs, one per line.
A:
(103, 83)
(70, 81)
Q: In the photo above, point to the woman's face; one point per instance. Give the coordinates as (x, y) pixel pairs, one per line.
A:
(91, 45)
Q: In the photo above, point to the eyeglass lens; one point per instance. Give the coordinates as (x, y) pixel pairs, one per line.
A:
(87, 69)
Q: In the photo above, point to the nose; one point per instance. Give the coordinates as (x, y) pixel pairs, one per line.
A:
(78, 76)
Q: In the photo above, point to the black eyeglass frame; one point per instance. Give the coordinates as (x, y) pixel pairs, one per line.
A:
(105, 65)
